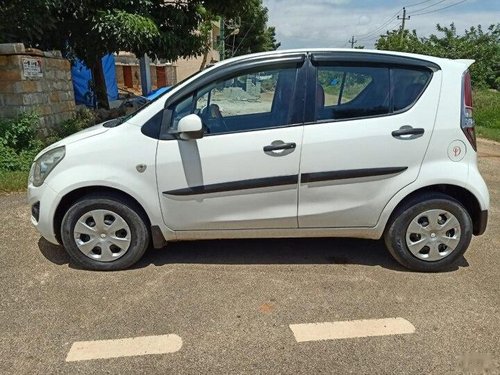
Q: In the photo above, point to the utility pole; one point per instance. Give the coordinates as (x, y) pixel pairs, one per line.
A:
(403, 19)
(222, 50)
(352, 41)
(145, 69)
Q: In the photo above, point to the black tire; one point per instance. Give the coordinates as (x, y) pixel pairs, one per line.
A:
(139, 233)
(395, 233)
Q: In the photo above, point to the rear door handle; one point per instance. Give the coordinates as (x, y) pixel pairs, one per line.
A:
(408, 130)
(279, 145)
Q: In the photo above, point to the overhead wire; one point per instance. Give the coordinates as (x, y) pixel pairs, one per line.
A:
(429, 6)
(415, 4)
(377, 35)
(380, 27)
(440, 9)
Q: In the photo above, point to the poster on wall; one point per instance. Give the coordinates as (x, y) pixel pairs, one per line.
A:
(32, 67)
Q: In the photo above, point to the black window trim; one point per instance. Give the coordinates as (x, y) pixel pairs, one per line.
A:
(334, 60)
(306, 74)
(319, 58)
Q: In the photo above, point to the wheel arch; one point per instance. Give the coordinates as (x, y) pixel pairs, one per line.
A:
(76, 194)
(462, 195)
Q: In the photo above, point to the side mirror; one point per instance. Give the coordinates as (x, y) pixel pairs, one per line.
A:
(190, 127)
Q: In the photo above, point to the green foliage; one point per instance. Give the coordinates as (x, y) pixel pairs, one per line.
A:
(90, 29)
(254, 35)
(16, 14)
(475, 43)
(119, 29)
(83, 119)
(20, 140)
(19, 133)
(487, 113)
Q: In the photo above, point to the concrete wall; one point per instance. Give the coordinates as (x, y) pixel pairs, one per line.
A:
(135, 84)
(32, 80)
(187, 67)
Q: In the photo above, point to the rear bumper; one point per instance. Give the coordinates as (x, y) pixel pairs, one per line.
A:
(481, 223)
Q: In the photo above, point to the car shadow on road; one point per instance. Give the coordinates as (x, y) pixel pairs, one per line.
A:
(337, 251)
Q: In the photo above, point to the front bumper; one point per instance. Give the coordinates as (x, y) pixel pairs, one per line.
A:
(43, 202)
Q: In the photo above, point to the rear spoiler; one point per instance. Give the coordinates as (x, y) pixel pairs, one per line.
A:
(465, 62)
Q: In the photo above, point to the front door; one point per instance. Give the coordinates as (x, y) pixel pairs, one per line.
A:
(367, 140)
(243, 173)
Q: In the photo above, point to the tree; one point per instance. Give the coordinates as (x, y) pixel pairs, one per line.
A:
(254, 35)
(475, 43)
(90, 29)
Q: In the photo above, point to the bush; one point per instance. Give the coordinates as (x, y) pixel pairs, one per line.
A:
(20, 139)
(19, 143)
(83, 119)
(19, 133)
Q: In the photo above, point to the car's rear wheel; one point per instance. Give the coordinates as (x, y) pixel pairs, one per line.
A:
(429, 233)
(104, 233)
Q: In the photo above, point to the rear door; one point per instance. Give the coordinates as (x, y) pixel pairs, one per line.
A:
(369, 124)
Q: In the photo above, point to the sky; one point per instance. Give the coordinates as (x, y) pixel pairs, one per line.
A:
(332, 23)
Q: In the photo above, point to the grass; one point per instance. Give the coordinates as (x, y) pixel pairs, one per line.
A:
(487, 114)
(13, 181)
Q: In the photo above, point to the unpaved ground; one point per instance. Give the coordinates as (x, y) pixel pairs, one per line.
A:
(232, 302)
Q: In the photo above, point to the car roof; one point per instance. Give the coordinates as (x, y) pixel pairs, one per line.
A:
(437, 60)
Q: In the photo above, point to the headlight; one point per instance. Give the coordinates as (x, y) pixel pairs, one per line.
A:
(45, 164)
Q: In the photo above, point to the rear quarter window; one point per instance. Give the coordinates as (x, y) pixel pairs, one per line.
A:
(408, 85)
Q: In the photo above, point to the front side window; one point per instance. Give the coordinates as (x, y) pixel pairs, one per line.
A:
(250, 101)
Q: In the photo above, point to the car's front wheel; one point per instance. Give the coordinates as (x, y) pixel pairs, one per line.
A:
(430, 233)
(104, 233)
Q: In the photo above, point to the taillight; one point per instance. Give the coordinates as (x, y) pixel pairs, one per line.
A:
(467, 119)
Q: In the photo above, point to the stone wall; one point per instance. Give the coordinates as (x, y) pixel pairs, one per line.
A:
(32, 80)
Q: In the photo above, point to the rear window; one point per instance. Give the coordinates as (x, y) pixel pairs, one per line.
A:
(344, 92)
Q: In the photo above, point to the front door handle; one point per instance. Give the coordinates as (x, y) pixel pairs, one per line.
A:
(279, 145)
(407, 130)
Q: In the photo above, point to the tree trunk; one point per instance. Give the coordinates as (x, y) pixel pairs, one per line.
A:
(100, 88)
(204, 61)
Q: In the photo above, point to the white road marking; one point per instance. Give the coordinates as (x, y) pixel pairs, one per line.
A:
(351, 329)
(133, 346)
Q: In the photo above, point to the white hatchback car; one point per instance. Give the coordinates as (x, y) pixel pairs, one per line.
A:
(302, 143)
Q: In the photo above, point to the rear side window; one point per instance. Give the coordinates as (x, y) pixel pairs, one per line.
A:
(351, 92)
(344, 92)
(408, 85)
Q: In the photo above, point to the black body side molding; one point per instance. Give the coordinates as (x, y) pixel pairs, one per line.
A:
(235, 185)
(349, 173)
(257, 183)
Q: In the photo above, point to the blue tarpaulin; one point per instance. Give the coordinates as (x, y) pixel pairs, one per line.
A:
(82, 76)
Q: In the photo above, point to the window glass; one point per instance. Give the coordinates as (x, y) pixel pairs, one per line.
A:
(249, 101)
(351, 92)
(408, 85)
